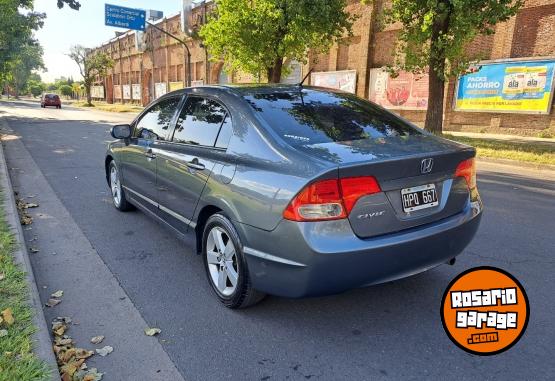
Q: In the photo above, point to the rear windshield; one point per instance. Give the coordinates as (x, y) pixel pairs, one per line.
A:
(308, 117)
(51, 96)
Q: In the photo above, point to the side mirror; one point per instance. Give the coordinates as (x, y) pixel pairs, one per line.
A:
(121, 131)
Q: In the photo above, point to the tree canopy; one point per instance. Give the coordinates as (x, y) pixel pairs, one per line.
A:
(256, 36)
(434, 37)
(73, 4)
(90, 66)
(19, 50)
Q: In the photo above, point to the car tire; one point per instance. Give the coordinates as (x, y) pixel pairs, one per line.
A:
(222, 261)
(118, 195)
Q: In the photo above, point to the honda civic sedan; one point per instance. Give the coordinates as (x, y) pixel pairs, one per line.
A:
(293, 190)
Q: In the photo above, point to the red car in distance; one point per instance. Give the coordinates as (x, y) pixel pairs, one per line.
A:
(50, 100)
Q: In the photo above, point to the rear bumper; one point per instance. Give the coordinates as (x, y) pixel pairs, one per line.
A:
(311, 259)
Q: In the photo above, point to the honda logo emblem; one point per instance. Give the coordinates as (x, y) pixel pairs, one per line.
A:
(426, 165)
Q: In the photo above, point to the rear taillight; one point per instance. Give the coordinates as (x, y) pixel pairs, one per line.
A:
(467, 169)
(329, 199)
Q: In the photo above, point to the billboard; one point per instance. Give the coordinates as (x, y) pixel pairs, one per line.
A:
(510, 86)
(117, 92)
(136, 91)
(126, 91)
(176, 85)
(345, 80)
(97, 91)
(407, 91)
(160, 89)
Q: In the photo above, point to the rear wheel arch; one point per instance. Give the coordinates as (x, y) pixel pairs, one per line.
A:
(107, 162)
(203, 216)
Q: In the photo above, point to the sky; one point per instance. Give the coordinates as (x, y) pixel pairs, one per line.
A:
(66, 27)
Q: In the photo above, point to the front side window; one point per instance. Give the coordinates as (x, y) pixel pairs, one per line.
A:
(200, 121)
(155, 123)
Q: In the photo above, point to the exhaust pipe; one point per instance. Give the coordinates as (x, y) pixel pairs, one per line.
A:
(452, 261)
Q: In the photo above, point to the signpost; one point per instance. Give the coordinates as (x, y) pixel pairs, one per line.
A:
(123, 17)
(131, 18)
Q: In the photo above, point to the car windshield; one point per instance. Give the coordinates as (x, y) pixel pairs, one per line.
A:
(306, 117)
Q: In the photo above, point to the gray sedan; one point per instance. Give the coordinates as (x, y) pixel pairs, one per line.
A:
(294, 190)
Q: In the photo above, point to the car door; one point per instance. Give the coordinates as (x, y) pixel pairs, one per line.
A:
(200, 138)
(138, 158)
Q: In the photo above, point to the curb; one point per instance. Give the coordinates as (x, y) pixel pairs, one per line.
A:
(41, 338)
(516, 163)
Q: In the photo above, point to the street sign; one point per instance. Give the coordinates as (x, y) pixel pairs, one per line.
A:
(123, 17)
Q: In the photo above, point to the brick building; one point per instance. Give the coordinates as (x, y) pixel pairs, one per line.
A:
(160, 63)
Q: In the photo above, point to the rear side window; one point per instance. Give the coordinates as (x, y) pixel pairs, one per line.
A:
(306, 117)
(154, 124)
(200, 122)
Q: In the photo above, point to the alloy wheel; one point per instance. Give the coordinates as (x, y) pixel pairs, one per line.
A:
(115, 185)
(221, 257)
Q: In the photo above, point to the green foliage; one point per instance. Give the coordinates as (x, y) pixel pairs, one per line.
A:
(17, 361)
(26, 59)
(255, 36)
(435, 33)
(66, 90)
(73, 4)
(17, 23)
(36, 90)
(91, 65)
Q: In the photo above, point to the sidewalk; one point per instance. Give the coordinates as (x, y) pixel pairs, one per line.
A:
(92, 296)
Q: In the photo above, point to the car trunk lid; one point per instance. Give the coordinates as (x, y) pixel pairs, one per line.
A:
(400, 164)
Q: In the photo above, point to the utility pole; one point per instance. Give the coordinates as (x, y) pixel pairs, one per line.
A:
(183, 43)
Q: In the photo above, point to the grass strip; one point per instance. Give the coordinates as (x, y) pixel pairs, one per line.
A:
(532, 152)
(17, 360)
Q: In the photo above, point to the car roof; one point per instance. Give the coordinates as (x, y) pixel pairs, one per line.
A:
(253, 88)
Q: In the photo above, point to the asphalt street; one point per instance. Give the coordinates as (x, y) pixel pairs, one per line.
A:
(389, 331)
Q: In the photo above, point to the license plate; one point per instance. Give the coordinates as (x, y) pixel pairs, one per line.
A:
(421, 197)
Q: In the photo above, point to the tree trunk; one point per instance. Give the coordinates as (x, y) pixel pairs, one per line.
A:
(434, 114)
(436, 86)
(89, 98)
(274, 73)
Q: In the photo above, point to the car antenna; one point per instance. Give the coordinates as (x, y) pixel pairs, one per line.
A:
(305, 77)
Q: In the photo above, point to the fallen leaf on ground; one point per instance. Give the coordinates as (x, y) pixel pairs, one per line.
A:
(63, 341)
(2, 276)
(3, 332)
(97, 339)
(81, 353)
(152, 331)
(105, 351)
(88, 375)
(52, 302)
(58, 328)
(31, 205)
(65, 319)
(25, 219)
(8, 316)
(58, 294)
(33, 250)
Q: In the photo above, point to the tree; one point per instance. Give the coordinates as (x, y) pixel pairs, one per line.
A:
(90, 65)
(17, 24)
(434, 36)
(256, 36)
(23, 61)
(73, 4)
(66, 90)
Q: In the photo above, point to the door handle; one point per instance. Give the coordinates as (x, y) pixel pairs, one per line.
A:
(194, 164)
(150, 155)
